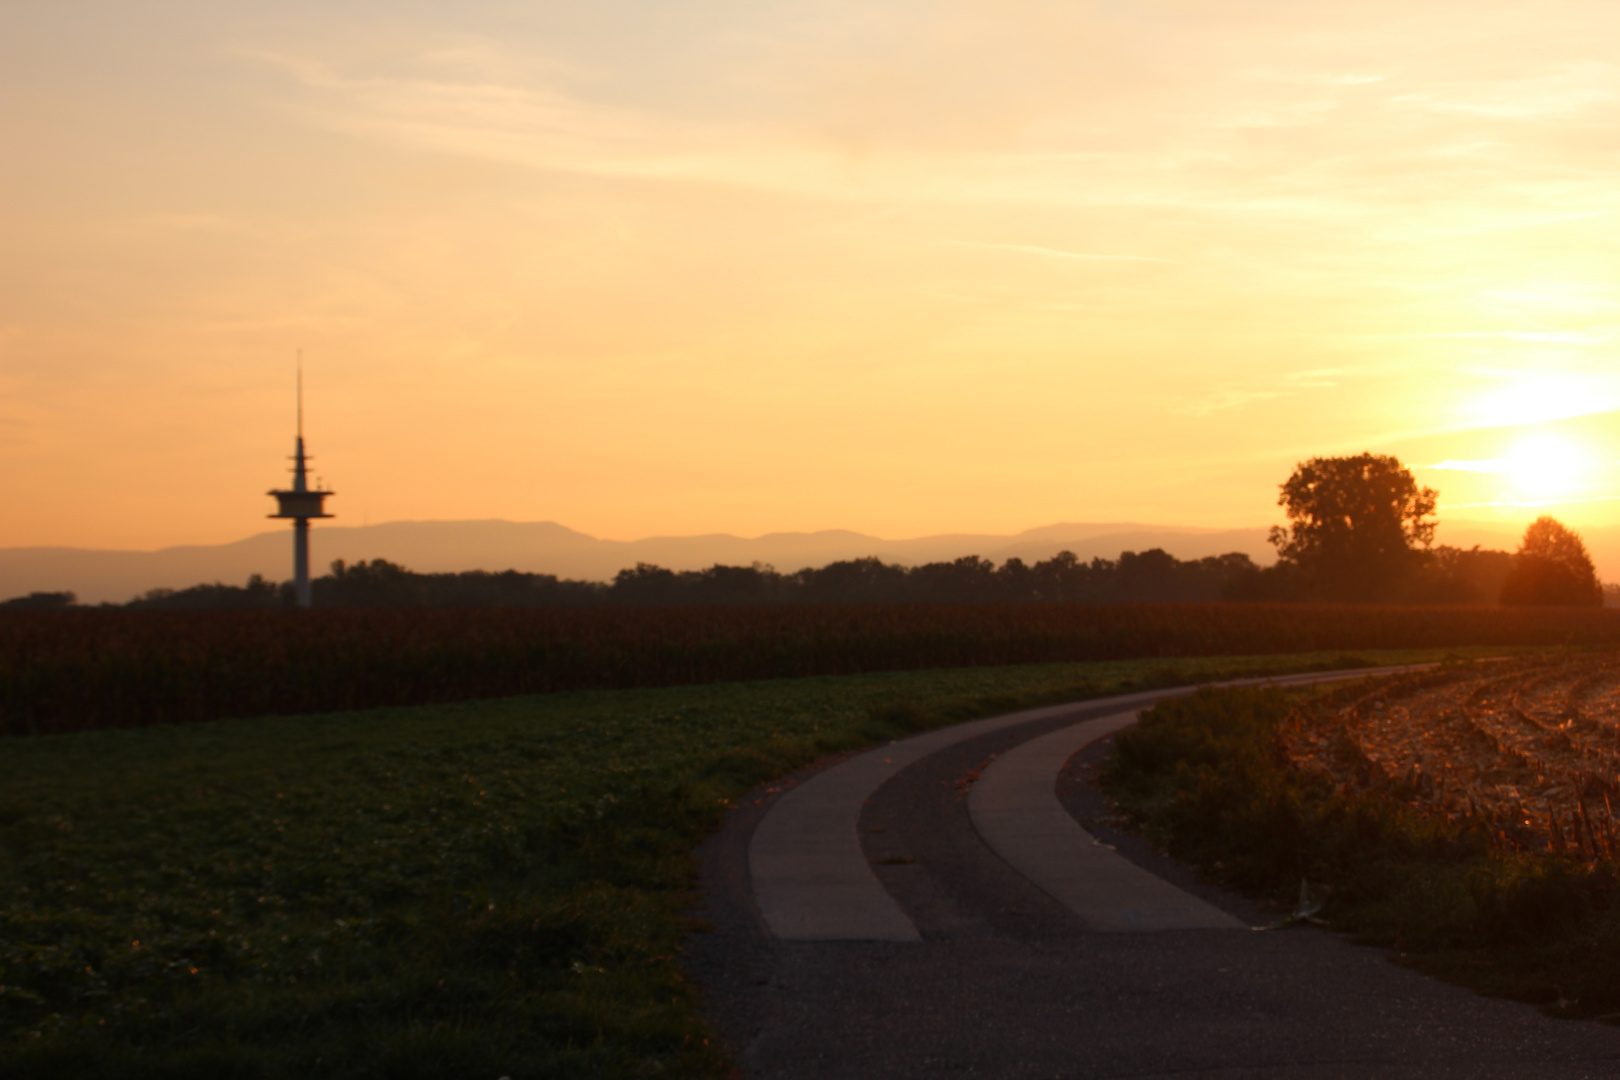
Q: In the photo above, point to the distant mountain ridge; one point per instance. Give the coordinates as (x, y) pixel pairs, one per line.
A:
(549, 548)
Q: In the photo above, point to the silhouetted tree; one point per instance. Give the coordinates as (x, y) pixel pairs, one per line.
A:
(647, 584)
(1269, 584)
(378, 583)
(1206, 579)
(507, 588)
(1552, 567)
(756, 584)
(851, 581)
(40, 601)
(968, 580)
(1453, 575)
(1065, 579)
(1151, 575)
(257, 593)
(1357, 526)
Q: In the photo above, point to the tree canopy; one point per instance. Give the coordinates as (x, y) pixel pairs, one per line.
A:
(1135, 577)
(1358, 525)
(1552, 567)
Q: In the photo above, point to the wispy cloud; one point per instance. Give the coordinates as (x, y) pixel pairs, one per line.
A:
(1223, 400)
(1230, 396)
(1057, 253)
(1313, 379)
(1546, 337)
(192, 223)
(1561, 302)
(1565, 92)
(1527, 504)
(1224, 151)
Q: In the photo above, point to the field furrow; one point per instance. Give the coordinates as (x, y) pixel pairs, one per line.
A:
(1529, 748)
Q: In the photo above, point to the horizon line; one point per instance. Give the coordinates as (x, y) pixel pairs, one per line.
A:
(1193, 529)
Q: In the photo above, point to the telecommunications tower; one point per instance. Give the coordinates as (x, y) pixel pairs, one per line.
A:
(301, 503)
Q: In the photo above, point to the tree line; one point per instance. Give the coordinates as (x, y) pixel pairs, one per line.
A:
(1135, 577)
(1360, 531)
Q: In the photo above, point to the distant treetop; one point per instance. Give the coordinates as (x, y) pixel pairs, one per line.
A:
(1357, 525)
(1552, 567)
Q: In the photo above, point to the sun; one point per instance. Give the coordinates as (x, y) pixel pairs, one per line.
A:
(1546, 467)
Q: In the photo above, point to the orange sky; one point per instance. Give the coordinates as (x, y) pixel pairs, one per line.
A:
(749, 266)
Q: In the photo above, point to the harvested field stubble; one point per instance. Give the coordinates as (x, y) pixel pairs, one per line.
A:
(1528, 748)
(82, 670)
(1461, 817)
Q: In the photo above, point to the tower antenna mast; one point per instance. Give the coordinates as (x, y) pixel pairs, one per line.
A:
(301, 503)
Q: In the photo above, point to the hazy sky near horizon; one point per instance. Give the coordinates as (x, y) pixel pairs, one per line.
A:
(902, 267)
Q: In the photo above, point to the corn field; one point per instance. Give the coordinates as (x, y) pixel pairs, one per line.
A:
(64, 671)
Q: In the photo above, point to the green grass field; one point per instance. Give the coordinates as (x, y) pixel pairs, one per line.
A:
(479, 890)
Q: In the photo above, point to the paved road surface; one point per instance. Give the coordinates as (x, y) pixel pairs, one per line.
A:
(973, 970)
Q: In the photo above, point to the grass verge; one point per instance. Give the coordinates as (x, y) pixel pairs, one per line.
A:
(1202, 777)
(479, 890)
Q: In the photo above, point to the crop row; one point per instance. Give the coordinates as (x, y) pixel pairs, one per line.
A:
(80, 670)
(1530, 749)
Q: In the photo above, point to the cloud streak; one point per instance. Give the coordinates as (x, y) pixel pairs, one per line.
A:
(1360, 146)
(1056, 253)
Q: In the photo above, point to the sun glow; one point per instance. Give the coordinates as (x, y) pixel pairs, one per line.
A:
(1531, 398)
(1546, 467)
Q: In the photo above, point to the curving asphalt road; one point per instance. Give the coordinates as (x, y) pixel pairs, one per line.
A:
(1015, 809)
(879, 915)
